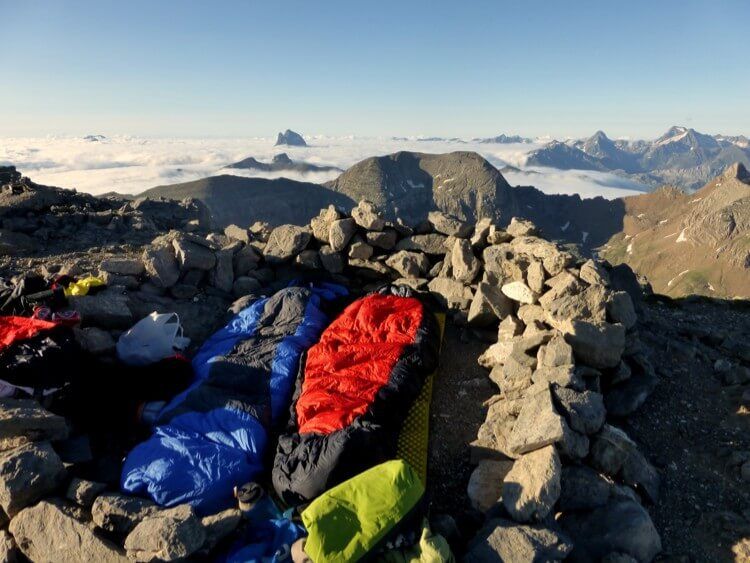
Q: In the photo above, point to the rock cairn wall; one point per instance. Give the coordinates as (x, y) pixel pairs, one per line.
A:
(555, 475)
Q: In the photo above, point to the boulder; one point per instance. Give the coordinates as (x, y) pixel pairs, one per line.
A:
(9, 552)
(409, 264)
(331, 260)
(583, 410)
(621, 310)
(235, 232)
(222, 275)
(582, 488)
(448, 225)
(107, 309)
(486, 483)
(433, 244)
(619, 526)
(553, 259)
(167, 535)
(366, 216)
(489, 305)
(284, 243)
(245, 285)
(510, 326)
(161, 265)
(599, 345)
(519, 291)
(555, 353)
(504, 541)
(521, 227)
(564, 376)
(360, 250)
(123, 266)
(245, 260)
(610, 448)
(309, 260)
(340, 233)
(465, 265)
(450, 293)
(84, 492)
(45, 532)
(218, 526)
(531, 488)
(193, 256)
(538, 424)
(119, 513)
(384, 240)
(535, 276)
(24, 420)
(321, 225)
(28, 473)
(594, 273)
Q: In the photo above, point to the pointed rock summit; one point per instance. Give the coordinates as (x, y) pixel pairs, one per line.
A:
(290, 138)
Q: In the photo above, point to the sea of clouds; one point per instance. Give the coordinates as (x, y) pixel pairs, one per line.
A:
(130, 165)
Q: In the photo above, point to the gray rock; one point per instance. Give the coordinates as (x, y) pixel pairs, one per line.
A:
(24, 420)
(433, 244)
(535, 276)
(385, 239)
(521, 228)
(489, 305)
(504, 541)
(222, 275)
(448, 225)
(599, 345)
(486, 483)
(564, 376)
(321, 225)
(45, 533)
(84, 492)
(308, 259)
(128, 282)
(218, 526)
(555, 353)
(9, 552)
(119, 513)
(284, 243)
(621, 310)
(537, 425)
(360, 251)
(481, 232)
(235, 232)
(584, 410)
(245, 260)
(161, 265)
(409, 264)
(95, 340)
(245, 286)
(465, 265)
(531, 488)
(366, 215)
(553, 259)
(106, 309)
(620, 526)
(610, 448)
(641, 475)
(340, 233)
(519, 291)
(594, 273)
(331, 260)
(510, 326)
(28, 473)
(193, 256)
(582, 488)
(450, 293)
(589, 305)
(122, 266)
(167, 535)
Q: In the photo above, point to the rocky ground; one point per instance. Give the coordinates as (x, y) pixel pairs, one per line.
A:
(571, 417)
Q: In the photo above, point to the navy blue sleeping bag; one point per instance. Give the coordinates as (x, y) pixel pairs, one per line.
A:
(213, 435)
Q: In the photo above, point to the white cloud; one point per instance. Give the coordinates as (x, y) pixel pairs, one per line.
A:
(130, 164)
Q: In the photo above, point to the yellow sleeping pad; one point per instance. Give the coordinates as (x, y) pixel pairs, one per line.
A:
(413, 442)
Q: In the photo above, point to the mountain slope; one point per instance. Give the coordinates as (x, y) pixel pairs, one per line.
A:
(235, 199)
(690, 243)
(281, 163)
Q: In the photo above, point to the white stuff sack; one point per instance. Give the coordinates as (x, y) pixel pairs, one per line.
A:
(151, 339)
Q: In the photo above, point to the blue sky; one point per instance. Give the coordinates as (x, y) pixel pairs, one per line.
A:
(223, 68)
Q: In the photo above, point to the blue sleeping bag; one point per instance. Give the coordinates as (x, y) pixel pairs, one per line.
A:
(212, 436)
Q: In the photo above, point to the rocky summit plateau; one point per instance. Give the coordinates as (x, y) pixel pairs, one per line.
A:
(578, 411)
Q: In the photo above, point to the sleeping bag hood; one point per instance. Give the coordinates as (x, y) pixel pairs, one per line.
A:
(354, 393)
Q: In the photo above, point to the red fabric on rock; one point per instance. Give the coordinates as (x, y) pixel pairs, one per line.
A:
(354, 360)
(13, 329)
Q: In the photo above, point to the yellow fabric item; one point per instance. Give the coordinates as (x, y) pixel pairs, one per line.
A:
(413, 441)
(81, 287)
(432, 548)
(347, 521)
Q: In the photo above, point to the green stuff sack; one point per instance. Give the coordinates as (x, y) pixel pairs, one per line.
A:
(349, 521)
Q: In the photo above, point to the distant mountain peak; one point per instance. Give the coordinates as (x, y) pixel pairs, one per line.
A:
(282, 158)
(290, 138)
